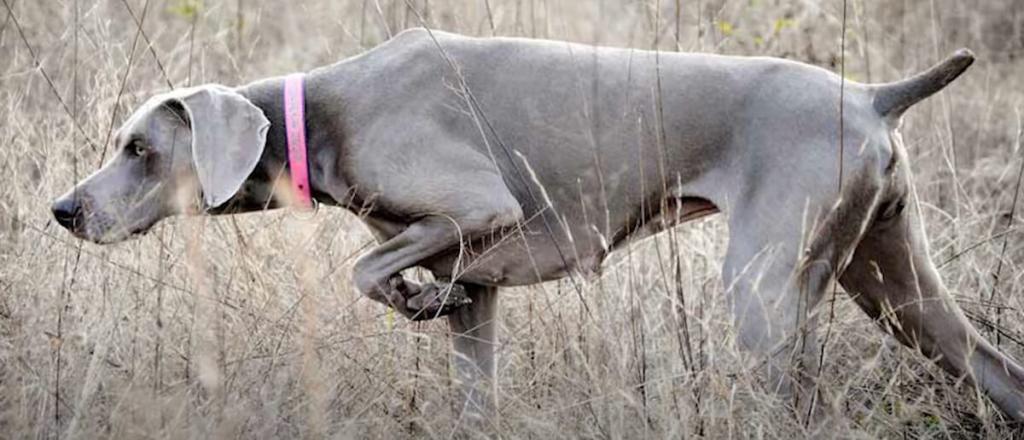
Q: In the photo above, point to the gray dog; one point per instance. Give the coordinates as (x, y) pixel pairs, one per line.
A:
(503, 161)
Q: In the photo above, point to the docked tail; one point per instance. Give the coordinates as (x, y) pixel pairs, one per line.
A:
(892, 99)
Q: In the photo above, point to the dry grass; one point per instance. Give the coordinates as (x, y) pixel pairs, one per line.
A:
(206, 328)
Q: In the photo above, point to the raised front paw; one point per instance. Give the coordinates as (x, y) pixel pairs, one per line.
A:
(435, 300)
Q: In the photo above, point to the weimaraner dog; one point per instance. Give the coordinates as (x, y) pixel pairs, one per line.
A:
(504, 161)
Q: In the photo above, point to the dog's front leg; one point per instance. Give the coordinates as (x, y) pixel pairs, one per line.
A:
(377, 274)
(455, 194)
(474, 339)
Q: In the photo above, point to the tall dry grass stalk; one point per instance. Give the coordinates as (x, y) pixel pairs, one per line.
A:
(249, 327)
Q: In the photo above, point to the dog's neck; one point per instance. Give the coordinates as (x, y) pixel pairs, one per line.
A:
(322, 149)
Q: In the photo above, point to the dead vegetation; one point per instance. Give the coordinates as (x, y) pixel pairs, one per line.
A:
(207, 328)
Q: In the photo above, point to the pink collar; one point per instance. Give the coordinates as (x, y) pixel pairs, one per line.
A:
(295, 128)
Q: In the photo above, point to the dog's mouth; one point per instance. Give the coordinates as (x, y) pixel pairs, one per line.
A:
(113, 237)
(139, 231)
(104, 231)
(122, 222)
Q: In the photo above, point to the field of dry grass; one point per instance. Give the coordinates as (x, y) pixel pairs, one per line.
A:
(207, 327)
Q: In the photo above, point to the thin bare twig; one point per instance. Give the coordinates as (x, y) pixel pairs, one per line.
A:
(839, 192)
(383, 19)
(1009, 224)
(976, 245)
(124, 82)
(490, 15)
(149, 45)
(66, 284)
(191, 46)
(7, 21)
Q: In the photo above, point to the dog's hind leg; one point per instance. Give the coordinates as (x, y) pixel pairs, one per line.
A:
(773, 295)
(474, 339)
(785, 244)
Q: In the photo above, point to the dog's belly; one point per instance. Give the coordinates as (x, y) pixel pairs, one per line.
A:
(676, 212)
(530, 254)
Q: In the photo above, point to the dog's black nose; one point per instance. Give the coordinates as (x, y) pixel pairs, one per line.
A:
(68, 213)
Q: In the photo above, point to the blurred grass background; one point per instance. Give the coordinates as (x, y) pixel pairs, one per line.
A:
(205, 328)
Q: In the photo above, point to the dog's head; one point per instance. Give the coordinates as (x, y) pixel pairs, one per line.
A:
(184, 151)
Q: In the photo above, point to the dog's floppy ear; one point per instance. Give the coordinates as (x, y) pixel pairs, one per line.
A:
(228, 136)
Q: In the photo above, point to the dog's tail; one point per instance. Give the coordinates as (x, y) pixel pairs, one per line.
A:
(892, 99)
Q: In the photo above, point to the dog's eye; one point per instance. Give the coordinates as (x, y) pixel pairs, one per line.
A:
(137, 148)
(892, 209)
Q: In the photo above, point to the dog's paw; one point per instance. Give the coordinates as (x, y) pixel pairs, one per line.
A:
(437, 299)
